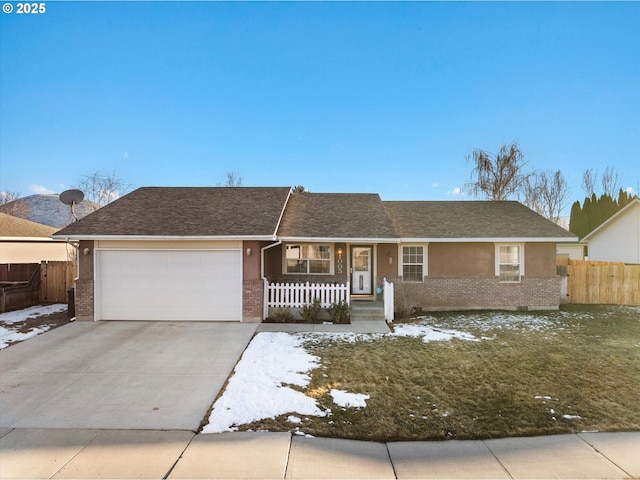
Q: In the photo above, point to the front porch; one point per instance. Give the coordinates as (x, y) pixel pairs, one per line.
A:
(366, 318)
(298, 295)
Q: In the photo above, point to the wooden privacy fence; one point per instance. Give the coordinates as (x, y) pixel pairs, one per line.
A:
(602, 282)
(24, 285)
(17, 272)
(55, 279)
(16, 294)
(300, 294)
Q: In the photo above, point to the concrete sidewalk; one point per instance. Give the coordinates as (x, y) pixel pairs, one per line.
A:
(356, 326)
(56, 453)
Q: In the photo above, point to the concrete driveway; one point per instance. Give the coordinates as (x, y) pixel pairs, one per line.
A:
(119, 375)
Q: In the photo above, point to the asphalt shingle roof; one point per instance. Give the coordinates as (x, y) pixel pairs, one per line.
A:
(255, 212)
(187, 211)
(336, 215)
(470, 219)
(11, 226)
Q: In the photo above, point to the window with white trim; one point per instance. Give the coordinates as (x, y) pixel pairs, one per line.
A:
(509, 263)
(308, 258)
(413, 263)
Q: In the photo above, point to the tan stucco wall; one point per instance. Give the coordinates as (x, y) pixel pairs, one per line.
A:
(540, 260)
(461, 260)
(384, 268)
(85, 262)
(251, 260)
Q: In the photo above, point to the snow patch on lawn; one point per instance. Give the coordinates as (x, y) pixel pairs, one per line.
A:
(488, 321)
(431, 334)
(571, 417)
(10, 334)
(31, 312)
(259, 387)
(346, 399)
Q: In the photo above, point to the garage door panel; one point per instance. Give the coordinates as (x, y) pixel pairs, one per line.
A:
(169, 285)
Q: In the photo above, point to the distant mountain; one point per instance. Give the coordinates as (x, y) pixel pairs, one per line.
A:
(47, 210)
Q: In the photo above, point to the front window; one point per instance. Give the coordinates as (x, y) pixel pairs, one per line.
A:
(413, 263)
(509, 263)
(308, 259)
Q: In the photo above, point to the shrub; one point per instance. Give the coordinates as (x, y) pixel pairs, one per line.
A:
(408, 299)
(282, 315)
(340, 312)
(311, 311)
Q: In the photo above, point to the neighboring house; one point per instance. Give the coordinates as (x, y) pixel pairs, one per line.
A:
(572, 251)
(618, 238)
(47, 209)
(22, 241)
(209, 253)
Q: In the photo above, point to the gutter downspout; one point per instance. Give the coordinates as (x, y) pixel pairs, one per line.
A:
(76, 247)
(265, 307)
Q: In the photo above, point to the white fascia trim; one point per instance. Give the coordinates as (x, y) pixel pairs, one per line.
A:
(492, 240)
(166, 237)
(29, 239)
(337, 240)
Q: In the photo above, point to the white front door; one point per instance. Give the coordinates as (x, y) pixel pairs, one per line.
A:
(361, 271)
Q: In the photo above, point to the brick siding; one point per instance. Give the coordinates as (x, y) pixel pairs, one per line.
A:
(252, 298)
(84, 299)
(479, 293)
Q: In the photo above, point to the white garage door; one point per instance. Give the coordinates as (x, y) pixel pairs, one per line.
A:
(169, 285)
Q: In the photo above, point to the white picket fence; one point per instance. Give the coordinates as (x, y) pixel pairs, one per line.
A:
(387, 297)
(300, 294)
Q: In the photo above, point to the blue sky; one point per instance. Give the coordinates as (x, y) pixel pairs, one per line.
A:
(338, 97)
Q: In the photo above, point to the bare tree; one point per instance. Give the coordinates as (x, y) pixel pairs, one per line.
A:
(547, 193)
(102, 188)
(8, 197)
(589, 178)
(532, 195)
(610, 182)
(299, 189)
(497, 177)
(233, 180)
(555, 194)
(12, 204)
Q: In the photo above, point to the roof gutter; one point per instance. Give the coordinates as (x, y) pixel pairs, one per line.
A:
(492, 240)
(27, 239)
(164, 237)
(340, 239)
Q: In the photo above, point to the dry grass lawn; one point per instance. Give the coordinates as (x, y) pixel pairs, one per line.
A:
(529, 374)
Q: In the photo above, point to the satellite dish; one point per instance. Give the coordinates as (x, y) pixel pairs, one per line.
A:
(72, 198)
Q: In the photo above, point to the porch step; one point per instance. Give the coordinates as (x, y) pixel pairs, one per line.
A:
(364, 310)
